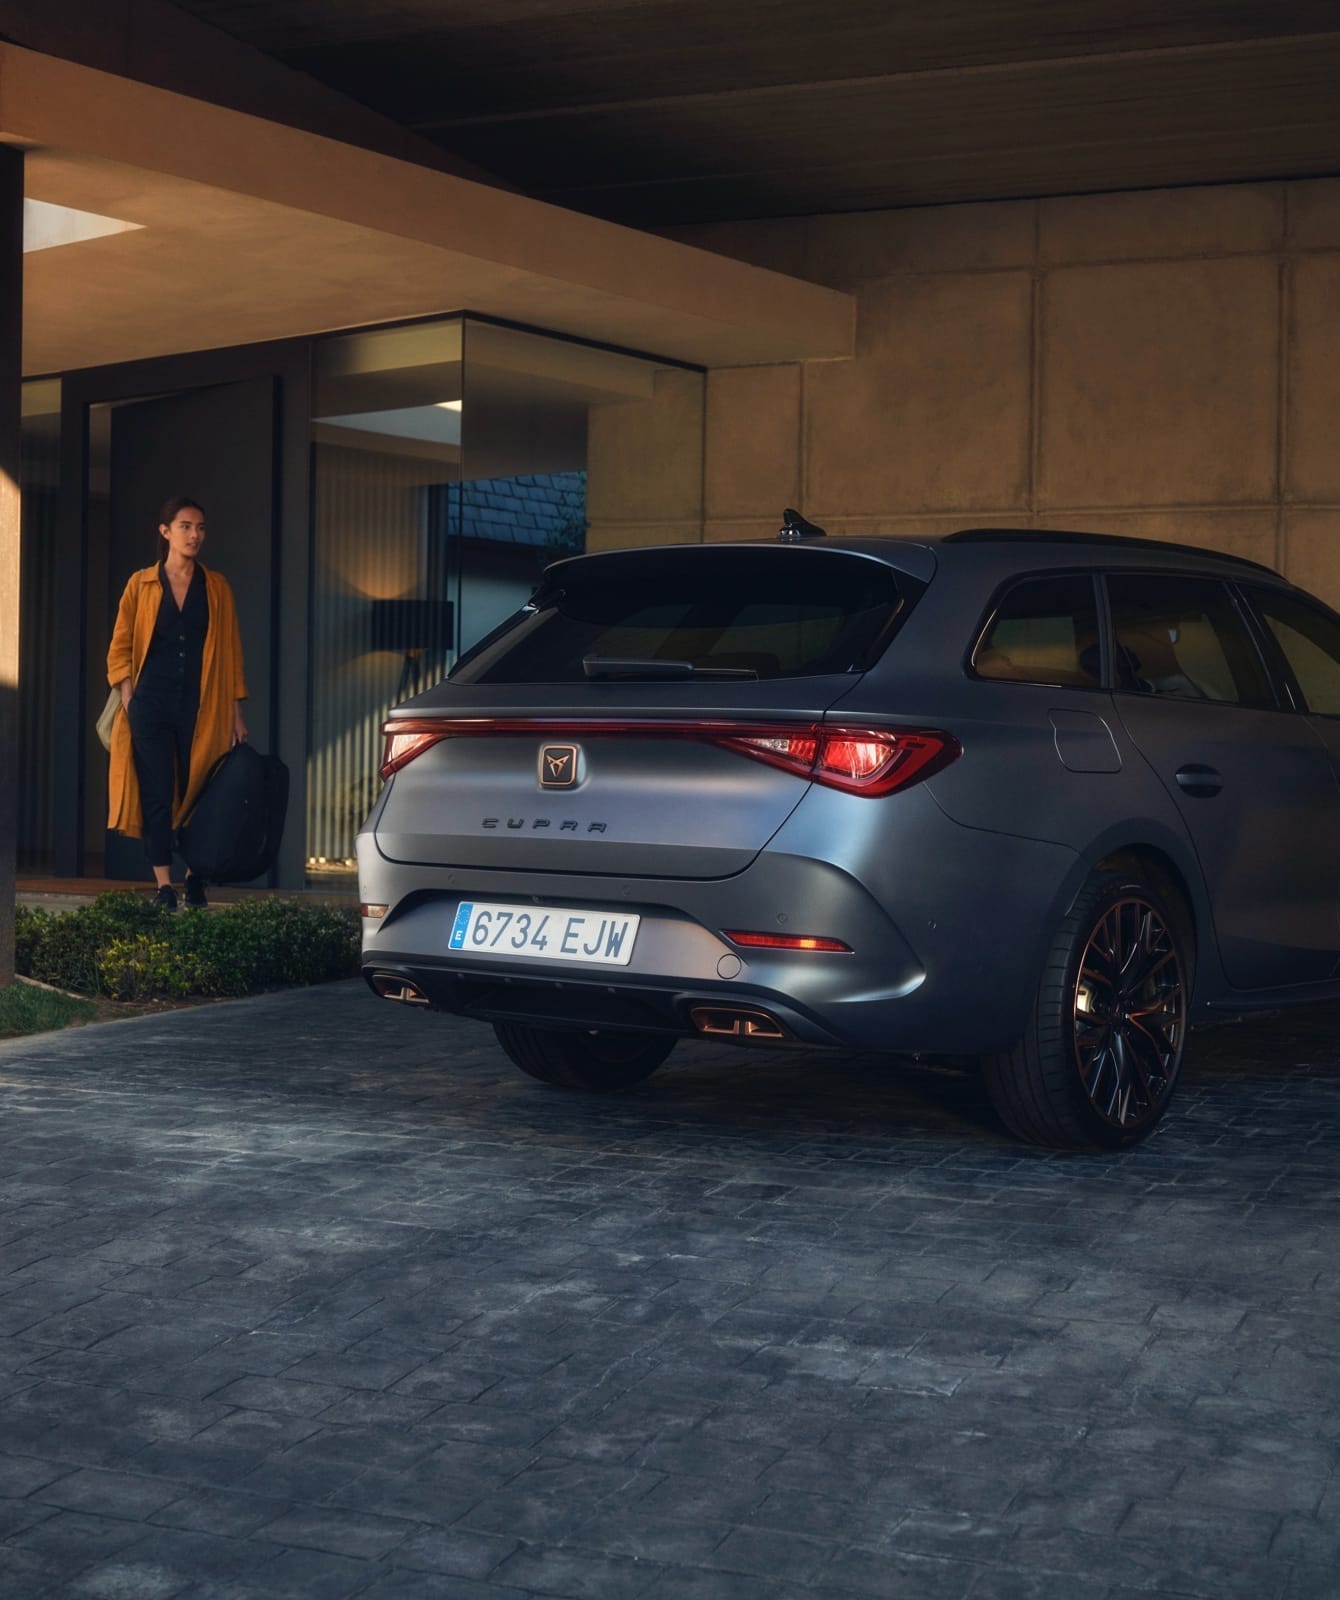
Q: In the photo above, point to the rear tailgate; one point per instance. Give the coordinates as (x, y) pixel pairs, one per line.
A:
(636, 660)
(653, 797)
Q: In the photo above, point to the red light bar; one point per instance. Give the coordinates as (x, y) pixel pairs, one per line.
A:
(860, 760)
(787, 941)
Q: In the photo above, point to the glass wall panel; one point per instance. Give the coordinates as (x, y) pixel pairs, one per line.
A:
(449, 468)
(39, 482)
(386, 434)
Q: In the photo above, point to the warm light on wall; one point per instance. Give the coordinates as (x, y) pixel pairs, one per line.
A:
(45, 225)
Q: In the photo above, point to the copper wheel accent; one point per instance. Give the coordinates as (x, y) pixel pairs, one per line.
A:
(1130, 1014)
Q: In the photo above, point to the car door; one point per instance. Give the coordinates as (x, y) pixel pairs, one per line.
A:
(1251, 778)
(1307, 637)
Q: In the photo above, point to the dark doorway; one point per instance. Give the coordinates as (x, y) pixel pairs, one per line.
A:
(220, 444)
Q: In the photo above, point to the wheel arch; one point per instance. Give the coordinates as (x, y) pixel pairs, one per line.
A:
(1173, 868)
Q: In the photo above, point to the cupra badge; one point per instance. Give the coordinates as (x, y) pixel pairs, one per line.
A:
(558, 766)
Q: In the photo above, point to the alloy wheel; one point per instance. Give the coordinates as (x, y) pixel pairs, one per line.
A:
(1130, 1013)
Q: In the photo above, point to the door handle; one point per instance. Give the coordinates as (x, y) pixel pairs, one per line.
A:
(1200, 782)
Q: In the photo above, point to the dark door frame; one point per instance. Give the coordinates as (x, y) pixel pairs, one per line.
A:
(78, 759)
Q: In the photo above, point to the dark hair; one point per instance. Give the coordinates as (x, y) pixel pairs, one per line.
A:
(169, 513)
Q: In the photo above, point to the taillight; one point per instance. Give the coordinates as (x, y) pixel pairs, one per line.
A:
(865, 761)
(401, 748)
(861, 760)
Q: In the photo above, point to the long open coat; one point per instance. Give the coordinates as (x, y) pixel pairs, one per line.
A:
(221, 683)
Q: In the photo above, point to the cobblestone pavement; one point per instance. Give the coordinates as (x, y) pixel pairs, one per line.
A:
(309, 1297)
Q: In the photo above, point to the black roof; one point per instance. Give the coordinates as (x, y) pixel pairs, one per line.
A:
(1115, 540)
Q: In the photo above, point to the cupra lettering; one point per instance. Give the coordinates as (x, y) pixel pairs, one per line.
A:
(518, 824)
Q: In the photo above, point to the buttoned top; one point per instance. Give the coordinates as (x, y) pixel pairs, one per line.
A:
(176, 652)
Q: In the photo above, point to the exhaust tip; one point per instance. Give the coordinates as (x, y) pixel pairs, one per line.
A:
(734, 1022)
(391, 986)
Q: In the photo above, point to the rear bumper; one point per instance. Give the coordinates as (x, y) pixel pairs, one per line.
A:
(947, 934)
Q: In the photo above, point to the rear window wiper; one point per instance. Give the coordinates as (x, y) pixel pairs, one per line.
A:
(634, 667)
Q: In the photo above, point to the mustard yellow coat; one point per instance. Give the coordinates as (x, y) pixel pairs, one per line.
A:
(221, 683)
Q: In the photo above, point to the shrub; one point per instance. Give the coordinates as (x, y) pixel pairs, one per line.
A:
(29, 930)
(145, 968)
(124, 946)
(64, 949)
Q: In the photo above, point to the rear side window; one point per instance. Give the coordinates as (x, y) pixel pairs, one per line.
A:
(1184, 637)
(644, 614)
(1045, 630)
(1310, 642)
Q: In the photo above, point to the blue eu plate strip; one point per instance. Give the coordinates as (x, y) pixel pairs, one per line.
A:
(462, 922)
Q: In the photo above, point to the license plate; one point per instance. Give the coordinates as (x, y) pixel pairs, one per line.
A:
(548, 933)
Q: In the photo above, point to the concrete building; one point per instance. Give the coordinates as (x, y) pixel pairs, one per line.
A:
(412, 296)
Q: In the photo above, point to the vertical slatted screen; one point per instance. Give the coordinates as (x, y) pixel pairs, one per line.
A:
(369, 546)
(39, 477)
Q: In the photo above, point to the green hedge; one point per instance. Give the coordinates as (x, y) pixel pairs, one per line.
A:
(125, 947)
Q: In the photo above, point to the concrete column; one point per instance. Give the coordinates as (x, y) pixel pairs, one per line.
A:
(11, 370)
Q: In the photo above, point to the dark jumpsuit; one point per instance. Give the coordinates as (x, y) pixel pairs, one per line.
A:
(163, 709)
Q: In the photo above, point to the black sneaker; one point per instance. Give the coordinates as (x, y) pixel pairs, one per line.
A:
(165, 899)
(195, 893)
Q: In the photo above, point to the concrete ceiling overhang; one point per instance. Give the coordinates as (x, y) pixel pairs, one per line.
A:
(663, 112)
(250, 231)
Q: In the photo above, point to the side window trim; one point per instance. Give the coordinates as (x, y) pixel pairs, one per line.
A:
(1271, 645)
(1287, 689)
(1282, 701)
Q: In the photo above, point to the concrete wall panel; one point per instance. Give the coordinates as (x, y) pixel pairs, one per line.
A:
(1185, 354)
(1233, 220)
(752, 450)
(645, 458)
(1252, 533)
(1312, 551)
(934, 410)
(844, 252)
(1160, 384)
(728, 528)
(1313, 434)
(612, 534)
(1314, 214)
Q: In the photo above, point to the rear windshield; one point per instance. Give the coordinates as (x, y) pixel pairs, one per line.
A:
(770, 612)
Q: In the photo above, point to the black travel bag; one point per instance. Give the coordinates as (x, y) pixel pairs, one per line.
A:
(232, 834)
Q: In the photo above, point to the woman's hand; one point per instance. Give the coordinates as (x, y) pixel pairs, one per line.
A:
(239, 724)
(127, 689)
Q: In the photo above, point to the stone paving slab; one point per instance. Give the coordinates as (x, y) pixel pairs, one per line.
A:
(308, 1297)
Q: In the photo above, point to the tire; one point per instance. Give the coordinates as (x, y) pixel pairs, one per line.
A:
(596, 1059)
(1099, 1060)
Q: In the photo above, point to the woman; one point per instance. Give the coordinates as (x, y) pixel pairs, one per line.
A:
(176, 656)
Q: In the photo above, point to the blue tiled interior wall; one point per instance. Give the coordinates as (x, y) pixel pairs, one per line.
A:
(541, 509)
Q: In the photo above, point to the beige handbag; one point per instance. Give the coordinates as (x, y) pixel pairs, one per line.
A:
(108, 717)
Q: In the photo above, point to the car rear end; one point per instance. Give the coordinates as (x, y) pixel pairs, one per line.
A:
(638, 807)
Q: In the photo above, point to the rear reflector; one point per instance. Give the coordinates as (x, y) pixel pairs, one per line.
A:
(787, 941)
(861, 760)
(375, 913)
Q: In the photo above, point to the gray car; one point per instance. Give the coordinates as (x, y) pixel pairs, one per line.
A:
(1041, 799)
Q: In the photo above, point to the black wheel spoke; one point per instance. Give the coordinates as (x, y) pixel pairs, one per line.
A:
(1129, 1013)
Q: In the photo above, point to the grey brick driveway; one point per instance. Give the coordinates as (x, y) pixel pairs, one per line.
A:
(311, 1297)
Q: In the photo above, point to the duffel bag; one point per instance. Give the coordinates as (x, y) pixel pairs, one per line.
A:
(232, 834)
